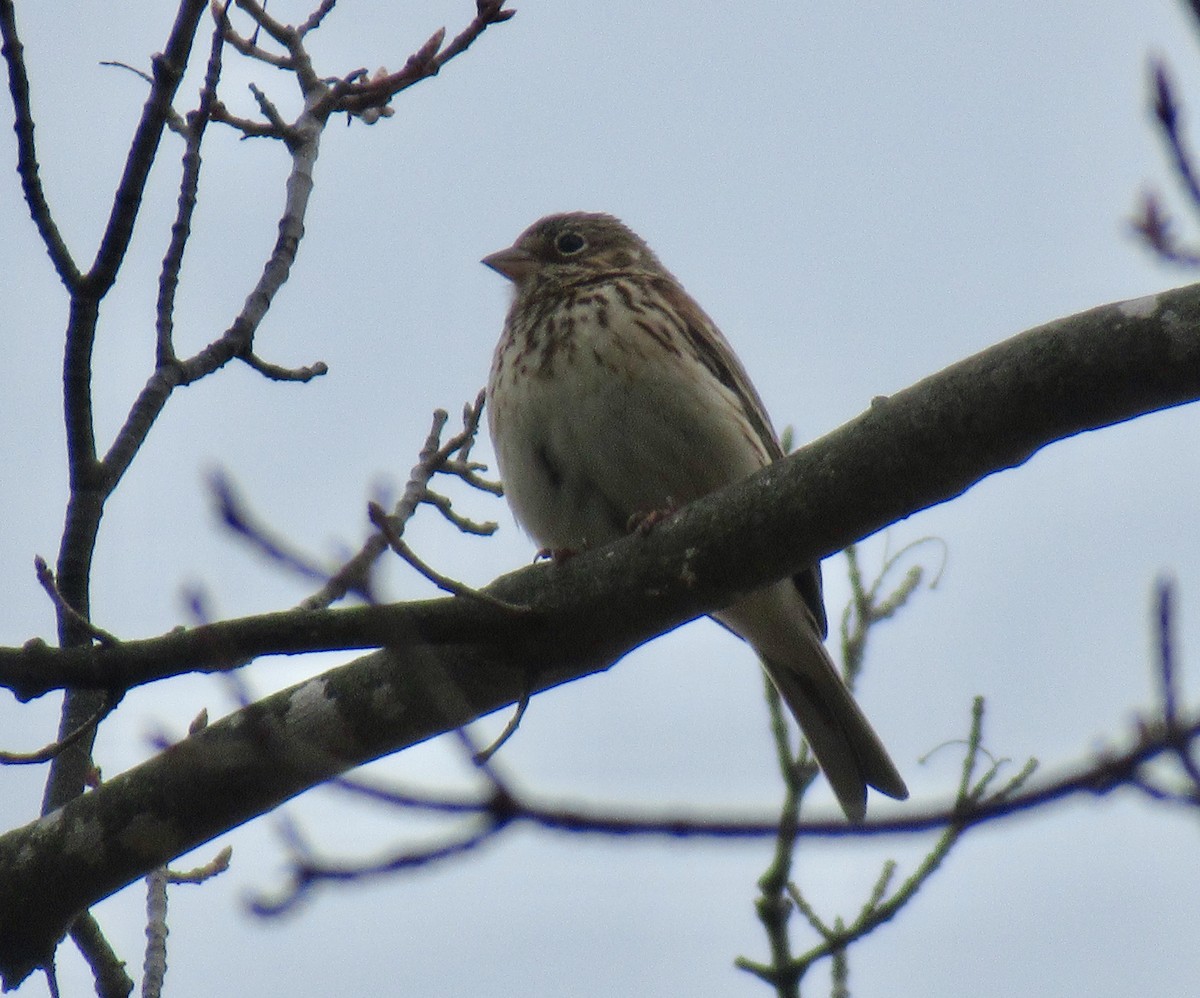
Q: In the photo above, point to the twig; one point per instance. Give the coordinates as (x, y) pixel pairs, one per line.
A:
(108, 969)
(468, 526)
(51, 751)
(867, 608)
(434, 457)
(494, 815)
(27, 163)
(382, 522)
(778, 896)
(510, 729)
(798, 771)
(468, 472)
(280, 32)
(175, 120)
(46, 579)
(250, 48)
(249, 129)
(307, 874)
(189, 182)
(198, 875)
(237, 518)
(168, 72)
(1152, 222)
(973, 806)
(154, 963)
(1166, 111)
(1169, 687)
(274, 372)
(297, 61)
(1099, 778)
(418, 800)
(1154, 225)
(427, 61)
(285, 131)
(879, 906)
(316, 17)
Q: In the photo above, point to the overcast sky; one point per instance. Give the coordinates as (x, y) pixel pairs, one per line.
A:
(859, 195)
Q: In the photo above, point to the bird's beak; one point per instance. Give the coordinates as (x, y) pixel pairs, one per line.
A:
(515, 264)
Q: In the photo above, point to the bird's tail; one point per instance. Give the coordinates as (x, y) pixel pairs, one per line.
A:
(846, 746)
(839, 734)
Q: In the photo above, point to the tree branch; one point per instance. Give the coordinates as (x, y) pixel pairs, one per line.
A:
(920, 447)
(90, 486)
(27, 164)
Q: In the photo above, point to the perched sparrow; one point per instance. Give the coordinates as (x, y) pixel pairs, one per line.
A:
(612, 396)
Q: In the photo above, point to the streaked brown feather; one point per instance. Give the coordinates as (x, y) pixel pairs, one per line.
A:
(612, 393)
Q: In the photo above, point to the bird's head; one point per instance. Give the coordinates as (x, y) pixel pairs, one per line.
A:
(566, 249)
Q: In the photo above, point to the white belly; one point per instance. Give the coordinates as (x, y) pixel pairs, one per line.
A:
(616, 424)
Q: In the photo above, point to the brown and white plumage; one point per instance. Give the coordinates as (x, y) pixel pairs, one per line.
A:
(612, 395)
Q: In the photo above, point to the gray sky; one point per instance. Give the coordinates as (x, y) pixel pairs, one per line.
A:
(859, 196)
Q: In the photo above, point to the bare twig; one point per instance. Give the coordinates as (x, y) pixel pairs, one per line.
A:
(1166, 111)
(175, 121)
(274, 372)
(485, 755)
(427, 61)
(411, 799)
(92, 479)
(249, 129)
(975, 804)
(382, 522)
(307, 872)
(778, 896)
(1100, 777)
(198, 875)
(867, 607)
(237, 517)
(798, 770)
(27, 163)
(90, 483)
(1169, 689)
(880, 907)
(46, 580)
(316, 17)
(468, 526)
(108, 969)
(251, 50)
(154, 963)
(290, 135)
(1152, 222)
(189, 182)
(52, 751)
(1156, 227)
(489, 820)
(433, 458)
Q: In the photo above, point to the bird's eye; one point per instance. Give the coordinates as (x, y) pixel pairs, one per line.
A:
(569, 243)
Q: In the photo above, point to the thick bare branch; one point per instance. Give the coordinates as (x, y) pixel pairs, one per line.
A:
(265, 753)
(920, 447)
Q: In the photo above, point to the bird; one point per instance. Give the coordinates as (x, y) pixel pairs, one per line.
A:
(613, 397)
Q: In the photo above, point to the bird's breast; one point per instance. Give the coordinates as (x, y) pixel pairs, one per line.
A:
(599, 412)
